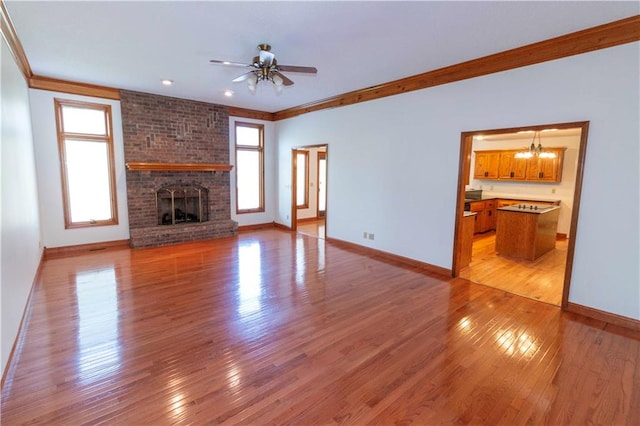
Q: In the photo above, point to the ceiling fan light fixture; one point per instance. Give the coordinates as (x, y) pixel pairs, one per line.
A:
(265, 67)
(252, 82)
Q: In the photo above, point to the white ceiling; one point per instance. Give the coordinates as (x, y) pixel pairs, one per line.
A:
(354, 45)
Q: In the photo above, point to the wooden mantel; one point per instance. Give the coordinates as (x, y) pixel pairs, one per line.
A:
(182, 167)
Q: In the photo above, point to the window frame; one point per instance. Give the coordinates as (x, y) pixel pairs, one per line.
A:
(63, 136)
(305, 204)
(251, 148)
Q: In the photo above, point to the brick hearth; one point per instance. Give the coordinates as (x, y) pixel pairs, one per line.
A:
(159, 129)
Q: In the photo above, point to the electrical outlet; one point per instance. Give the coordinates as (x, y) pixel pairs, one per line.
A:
(491, 188)
(365, 235)
(371, 236)
(287, 217)
(553, 190)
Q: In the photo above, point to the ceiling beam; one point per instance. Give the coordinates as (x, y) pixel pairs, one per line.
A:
(595, 38)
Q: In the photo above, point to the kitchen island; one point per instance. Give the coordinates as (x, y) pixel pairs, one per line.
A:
(526, 231)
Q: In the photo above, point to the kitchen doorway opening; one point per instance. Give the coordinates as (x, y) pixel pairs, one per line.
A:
(488, 249)
(309, 190)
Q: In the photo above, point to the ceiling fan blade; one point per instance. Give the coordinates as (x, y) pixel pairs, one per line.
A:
(285, 80)
(242, 77)
(294, 68)
(234, 64)
(266, 58)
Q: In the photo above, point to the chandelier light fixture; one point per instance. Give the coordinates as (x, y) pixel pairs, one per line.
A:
(535, 151)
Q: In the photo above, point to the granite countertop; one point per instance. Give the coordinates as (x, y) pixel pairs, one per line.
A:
(466, 213)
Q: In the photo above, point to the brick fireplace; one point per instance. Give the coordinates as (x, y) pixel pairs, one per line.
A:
(183, 136)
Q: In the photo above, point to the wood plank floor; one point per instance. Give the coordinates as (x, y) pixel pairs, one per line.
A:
(541, 279)
(274, 327)
(314, 228)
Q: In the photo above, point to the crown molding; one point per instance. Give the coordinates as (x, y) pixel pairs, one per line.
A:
(73, 87)
(250, 113)
(595, 38)
(13, 42)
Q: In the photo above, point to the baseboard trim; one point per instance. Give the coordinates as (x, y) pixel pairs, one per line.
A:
(281, 226)
(53, 252)
(607, 317)
(373, 253)
(25, 315)
(245, 228)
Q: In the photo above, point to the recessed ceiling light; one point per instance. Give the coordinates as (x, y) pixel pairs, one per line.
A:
(167, 82)
(228, 93)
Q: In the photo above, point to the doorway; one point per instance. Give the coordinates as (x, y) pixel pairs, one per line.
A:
(309, 190)
(524, 277)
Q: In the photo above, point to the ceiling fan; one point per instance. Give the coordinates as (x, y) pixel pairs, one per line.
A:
(265, 68)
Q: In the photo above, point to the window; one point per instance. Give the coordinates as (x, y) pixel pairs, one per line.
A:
(85, 143)
(249, 167)
(302, 179)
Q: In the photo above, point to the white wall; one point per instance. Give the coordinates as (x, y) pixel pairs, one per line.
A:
(394, 163)
(270, 152)
(54, 233)
(20, 249)
(557, 191)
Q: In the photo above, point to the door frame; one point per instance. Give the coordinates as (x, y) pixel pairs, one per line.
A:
(464, 167)
(294, 183)
(322, 155)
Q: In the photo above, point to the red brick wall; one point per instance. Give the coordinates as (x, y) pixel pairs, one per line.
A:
(170, 130)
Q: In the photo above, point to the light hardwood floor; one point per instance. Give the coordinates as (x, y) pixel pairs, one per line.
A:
(314, 228)
(541, 279)
(275, 327)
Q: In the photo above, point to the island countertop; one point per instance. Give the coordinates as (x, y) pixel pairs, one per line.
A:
(529, 208)
(525, 232)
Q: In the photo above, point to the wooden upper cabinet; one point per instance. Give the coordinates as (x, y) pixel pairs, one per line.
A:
(546, 169)
(486, 165)
(511, 167)
(503, 165)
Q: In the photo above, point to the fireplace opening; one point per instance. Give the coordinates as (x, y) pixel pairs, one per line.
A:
(182, 205)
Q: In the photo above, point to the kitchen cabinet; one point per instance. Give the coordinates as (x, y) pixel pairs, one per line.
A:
(466, 239)
(490, 215)
(486, 165)
(485, 215)
(502, 165)
(512, 168)
(546, 169)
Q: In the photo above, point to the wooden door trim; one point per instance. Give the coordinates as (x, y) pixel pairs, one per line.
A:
(294, 185)
(466, 141)
(294, 189)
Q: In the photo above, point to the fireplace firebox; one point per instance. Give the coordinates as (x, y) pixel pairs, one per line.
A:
(177, 205)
